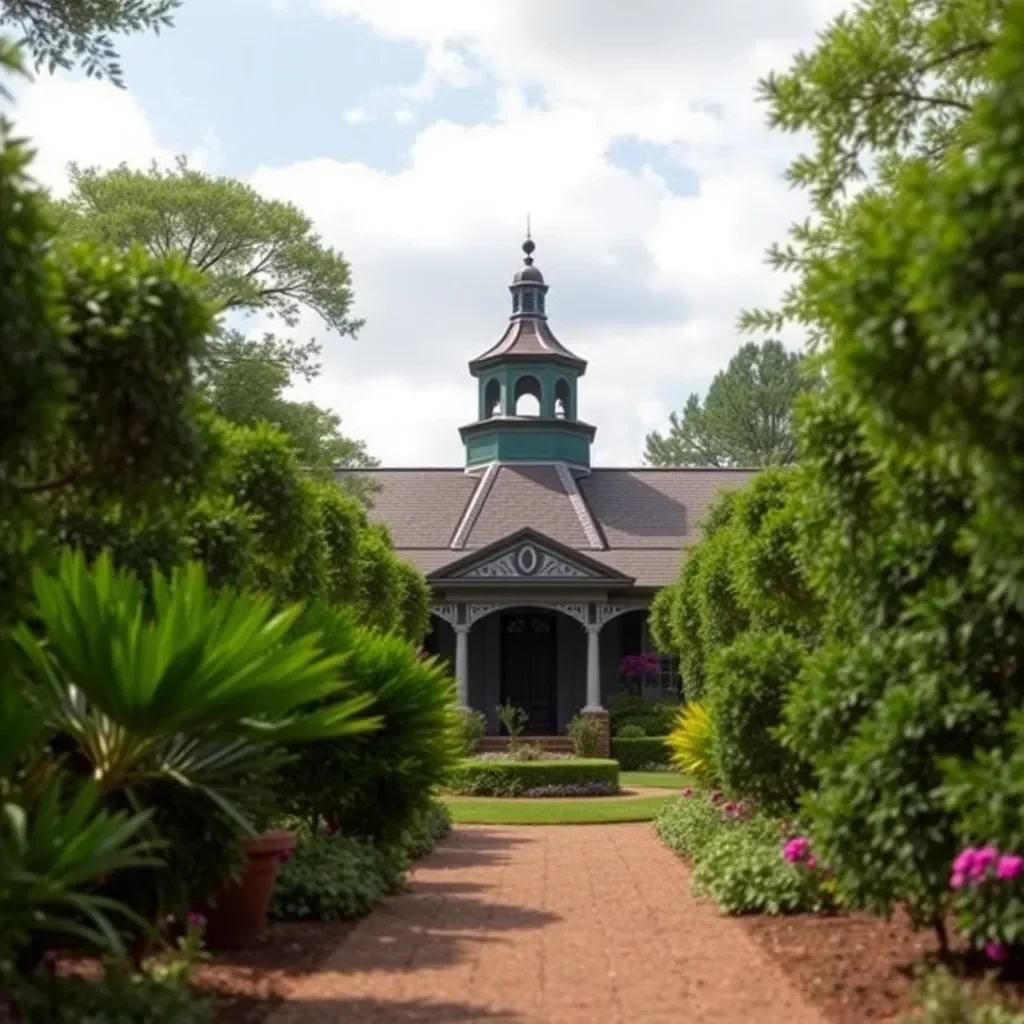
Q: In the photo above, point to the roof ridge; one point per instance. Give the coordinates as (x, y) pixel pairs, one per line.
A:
(474, 507)
(580, 507)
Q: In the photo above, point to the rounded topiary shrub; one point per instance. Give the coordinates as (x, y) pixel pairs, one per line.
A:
(633, 753)
(576, 777)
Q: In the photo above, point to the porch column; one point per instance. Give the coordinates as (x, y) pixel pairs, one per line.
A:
(593, 667)
(462, 665)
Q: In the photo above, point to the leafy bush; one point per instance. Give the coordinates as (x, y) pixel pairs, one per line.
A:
(332, 878)
(514, 719)
(747, 685)
(655, 717)
(513, 778)
(374, 786)
(633, 753)
(631, 732)
(470, 728)
(121, 997)
(692, 743)
(585, 736)
(687, 824)
(742, 870)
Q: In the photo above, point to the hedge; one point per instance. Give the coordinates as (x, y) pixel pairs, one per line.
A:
(633, 754)
(474, 777)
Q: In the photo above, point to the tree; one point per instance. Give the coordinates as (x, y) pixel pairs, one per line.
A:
(911, 716)
(258, 255)
(60, 33)
(888, 82)
(247, 387)
(746, 419)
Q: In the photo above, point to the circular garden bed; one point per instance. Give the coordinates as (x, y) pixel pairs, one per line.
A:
(564, 777)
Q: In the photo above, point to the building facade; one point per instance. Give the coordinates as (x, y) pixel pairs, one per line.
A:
(542, 566)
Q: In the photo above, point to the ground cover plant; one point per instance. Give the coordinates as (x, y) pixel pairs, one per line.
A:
(518, 778)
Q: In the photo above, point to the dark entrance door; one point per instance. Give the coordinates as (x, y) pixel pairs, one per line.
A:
(529, 668)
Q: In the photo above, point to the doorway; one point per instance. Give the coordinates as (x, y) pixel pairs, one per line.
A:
(529, 668)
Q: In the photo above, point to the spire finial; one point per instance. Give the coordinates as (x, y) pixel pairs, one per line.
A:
(528, 245)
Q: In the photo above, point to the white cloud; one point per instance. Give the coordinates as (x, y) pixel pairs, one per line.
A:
(645, 283)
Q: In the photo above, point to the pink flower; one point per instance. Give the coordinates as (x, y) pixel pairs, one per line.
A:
(811, 862)
(964, 862)
(729, 807)
(957, 880)
(195, 921)
(688, 792)
(995, 951)
(796, 849)
(715, 796)
(983, 860)
(1009, 867)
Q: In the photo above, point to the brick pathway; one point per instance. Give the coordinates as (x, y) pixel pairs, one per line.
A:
(547, 925)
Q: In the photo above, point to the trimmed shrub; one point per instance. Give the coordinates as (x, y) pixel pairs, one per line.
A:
(655, 717)
(631, 732)
(632, 753)
(686, 825)
(747, 685)
(514, 778)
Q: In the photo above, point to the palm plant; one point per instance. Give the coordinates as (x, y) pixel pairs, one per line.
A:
(692, 742)
(177, 702)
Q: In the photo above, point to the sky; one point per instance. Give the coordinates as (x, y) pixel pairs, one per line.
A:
(418, 135)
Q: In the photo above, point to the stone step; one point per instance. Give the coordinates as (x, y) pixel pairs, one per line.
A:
(497, 744)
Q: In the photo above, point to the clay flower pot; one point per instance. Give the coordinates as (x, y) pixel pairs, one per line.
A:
(240, 913)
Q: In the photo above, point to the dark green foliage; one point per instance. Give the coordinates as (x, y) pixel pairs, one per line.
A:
(379, 593)
(514, 778)
(746, 419)
(375, 787)
(655, 717)
(223, 539)
(342, 517)
(659, 620)
(631, 731)
(414, 617)
(747, 688)
(119, 998)
(470, 727)
(334, 877)
(634, 754)
(915, 478)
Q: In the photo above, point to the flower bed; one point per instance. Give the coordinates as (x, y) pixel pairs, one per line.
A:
(636, 753)
(590, 776)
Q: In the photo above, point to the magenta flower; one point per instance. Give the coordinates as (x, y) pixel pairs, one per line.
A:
(729, 807)
(688, 792)
(957, 880)
(195, 921)
(715, 796)
(995, 951)
(812, 862)
(796, 849)
(1009, 867)
(286, 855)
(964, 862)
(984, 858)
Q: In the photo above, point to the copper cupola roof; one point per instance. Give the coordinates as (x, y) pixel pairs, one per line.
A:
(528, 336)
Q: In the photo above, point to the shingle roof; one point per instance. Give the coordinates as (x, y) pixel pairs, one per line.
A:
(528, 338)
(646, 516)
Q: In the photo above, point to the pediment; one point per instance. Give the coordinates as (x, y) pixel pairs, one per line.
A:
(527, 557)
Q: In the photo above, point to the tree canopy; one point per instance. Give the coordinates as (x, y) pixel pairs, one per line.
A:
(888, 82)
(745, 420)
(62, 33)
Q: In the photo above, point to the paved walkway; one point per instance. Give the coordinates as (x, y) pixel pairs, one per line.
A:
(547, 925)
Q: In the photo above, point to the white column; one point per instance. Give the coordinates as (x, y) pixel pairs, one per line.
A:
(593, 667)
(462, 665)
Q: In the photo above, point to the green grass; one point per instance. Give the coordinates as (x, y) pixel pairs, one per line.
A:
(554, 811)
(655, 780)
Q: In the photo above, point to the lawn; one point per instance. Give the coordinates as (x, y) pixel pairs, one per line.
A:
(555, 811)
(654, 780)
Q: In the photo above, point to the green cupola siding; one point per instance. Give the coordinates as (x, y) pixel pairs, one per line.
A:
(527, 387)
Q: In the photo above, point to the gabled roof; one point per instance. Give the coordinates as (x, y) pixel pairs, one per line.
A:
(642, 518)
(527, 556)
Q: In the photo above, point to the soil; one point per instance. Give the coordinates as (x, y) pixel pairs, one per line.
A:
(856, 969)
(248, 983)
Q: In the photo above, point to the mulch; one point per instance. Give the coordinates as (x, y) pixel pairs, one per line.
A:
(858, 969)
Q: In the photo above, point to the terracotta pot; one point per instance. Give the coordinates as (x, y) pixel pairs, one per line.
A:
(240, 912)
